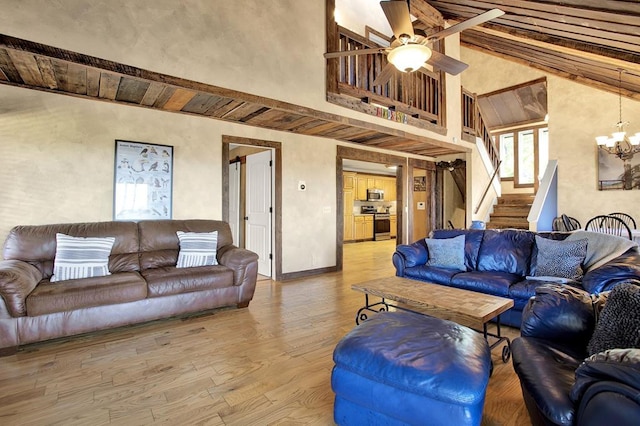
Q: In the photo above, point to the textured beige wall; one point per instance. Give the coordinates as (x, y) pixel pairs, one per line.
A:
(57, 162)
(577, 113)
(56, 166)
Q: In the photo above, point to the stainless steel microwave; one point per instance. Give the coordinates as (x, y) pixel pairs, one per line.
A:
(375, 195)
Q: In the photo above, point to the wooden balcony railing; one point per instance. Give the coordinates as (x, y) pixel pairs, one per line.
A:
(418, 94)
(473, 124)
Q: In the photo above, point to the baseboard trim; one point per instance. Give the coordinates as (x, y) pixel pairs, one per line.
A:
(301, 274)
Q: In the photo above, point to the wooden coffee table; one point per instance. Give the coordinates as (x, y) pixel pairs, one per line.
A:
(465, 307)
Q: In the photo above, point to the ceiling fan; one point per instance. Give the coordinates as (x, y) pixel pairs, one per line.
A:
(409, 51)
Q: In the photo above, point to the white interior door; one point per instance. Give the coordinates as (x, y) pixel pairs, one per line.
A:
(258, 208)
(234, 202)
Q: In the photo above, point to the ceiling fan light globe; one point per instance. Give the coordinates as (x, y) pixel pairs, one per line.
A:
(409, 57)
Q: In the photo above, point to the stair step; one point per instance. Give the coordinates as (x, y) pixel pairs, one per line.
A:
(504, 225)
(506, 210)
(511, 211)
(516, 199)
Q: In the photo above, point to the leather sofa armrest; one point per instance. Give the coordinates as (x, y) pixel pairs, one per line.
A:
(409, 255)
(607, 388)
(17, 281)
(560, 314)
(237, 259)
(622, 268)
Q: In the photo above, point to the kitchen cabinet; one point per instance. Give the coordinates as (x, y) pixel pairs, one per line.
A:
(393, 219)
(390, 193)
(368, 227)
(349, 181)
(364, 182)
(358, 224)
(362, 186)
(363, 227)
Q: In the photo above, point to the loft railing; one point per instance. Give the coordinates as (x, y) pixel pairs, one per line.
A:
(473, 124)
(418, 93)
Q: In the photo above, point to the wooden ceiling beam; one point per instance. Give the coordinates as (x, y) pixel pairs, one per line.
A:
(41, 67)
(426, 13)
(614, 62)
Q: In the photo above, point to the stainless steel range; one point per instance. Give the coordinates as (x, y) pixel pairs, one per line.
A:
(381, 226)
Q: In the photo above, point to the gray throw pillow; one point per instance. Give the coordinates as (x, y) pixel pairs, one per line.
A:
(556, 258)
(446, 252)
(619, 322)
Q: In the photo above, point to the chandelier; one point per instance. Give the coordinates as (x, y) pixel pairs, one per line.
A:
(619, 144)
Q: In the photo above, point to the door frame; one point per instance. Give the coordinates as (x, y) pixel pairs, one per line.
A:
(432, 195)
(345, 152)
(277, 192)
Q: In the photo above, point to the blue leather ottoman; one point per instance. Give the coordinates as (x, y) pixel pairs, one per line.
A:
(404, 368)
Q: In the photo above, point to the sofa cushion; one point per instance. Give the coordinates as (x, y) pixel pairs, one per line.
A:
(619, 322)
(171, 280)
(431, 274)
(559, 258)
(495, 283)
(81, 257)
(446, 253)
(472, 242)
(37, 244)
(159, 244)
(197, 249)
(507, 250)
(68, 295)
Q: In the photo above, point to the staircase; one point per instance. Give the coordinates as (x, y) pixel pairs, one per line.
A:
(511, 212)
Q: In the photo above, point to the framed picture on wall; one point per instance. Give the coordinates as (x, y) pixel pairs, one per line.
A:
(143, 181)
(419, 183)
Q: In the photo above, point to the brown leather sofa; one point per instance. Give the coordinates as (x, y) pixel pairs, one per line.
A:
(144, 283)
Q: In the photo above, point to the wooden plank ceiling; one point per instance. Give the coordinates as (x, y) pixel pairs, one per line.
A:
(36, 66)
(587, 41)
(515, 106)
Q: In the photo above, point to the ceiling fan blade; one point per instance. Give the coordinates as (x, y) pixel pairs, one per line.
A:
(472, 22)
(397, 13)
(385, 75)
(354, 52)
(446, 63)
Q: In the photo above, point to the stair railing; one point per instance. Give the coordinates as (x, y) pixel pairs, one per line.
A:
(486, 190)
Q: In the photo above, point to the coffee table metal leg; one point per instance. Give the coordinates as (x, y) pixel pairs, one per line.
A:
(506, 350)
(361, 315)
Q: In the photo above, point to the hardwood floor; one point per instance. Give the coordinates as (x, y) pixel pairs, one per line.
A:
(267, 364)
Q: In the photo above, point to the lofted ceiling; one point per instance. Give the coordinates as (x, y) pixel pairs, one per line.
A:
(587, 41)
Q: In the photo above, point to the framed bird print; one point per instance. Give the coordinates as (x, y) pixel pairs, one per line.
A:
(143, 181)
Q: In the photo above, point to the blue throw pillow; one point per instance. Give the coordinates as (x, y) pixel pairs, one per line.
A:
(446, 252)
(562, 259)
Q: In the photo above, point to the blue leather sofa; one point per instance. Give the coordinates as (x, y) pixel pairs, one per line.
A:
(560, 385)
(498, 262)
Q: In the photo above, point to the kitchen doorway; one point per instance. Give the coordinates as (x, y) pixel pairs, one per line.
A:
(349, 203)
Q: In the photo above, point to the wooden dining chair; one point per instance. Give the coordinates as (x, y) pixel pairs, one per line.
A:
(609, 225)
(631, 223)
(565, 223)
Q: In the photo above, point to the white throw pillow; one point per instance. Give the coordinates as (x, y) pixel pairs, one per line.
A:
(81, 257)
(197, 249)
